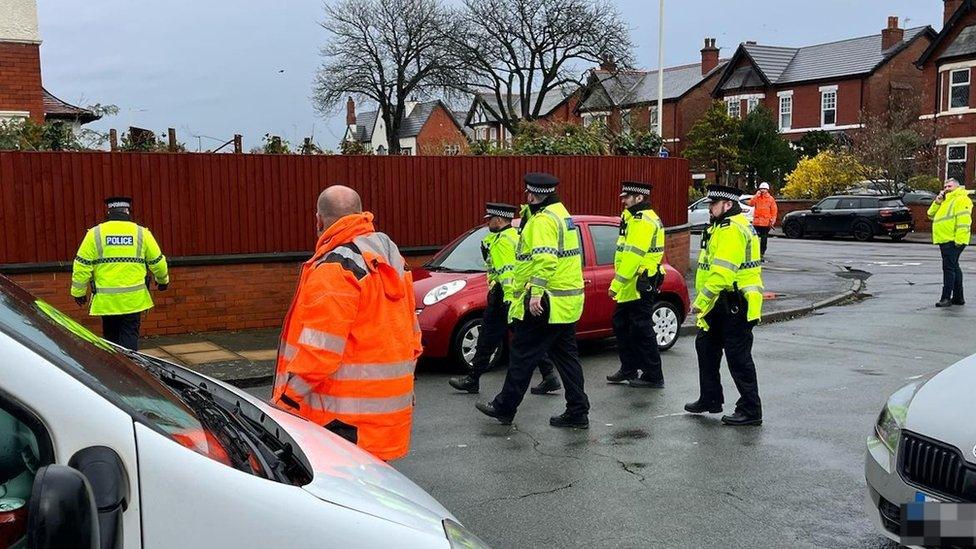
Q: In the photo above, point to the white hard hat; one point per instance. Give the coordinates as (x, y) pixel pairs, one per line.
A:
(764, 185)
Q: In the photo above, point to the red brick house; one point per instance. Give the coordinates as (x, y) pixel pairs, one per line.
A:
(948, 99)
(627, 99)
(21, 92)
(826, 86)
(484, 117)
(429, 128)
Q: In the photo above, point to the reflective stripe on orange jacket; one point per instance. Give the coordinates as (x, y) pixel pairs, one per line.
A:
(764, 210)
(351, 340)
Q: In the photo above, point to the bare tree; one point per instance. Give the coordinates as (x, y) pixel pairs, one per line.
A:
(387, 51)
(518, 51)
(893, 147)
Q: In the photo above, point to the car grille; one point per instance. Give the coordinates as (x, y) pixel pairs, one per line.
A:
(890, 516)
(937, 468)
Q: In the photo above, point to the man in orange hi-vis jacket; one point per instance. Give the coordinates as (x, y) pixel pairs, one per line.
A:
(351, 339)
(763, 215)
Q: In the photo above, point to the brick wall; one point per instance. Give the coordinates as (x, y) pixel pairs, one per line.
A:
(898, 81)
(565, 112)
(677, 249)
(784, 207)
(439, 132)
(20, 79)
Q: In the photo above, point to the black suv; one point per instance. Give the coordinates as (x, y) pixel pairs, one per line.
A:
(862, 217)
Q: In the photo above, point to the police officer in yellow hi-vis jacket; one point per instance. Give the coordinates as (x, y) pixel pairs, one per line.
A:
(952, 218)
(728, 303)
(115, 254)
(638, 275)
(546, 304)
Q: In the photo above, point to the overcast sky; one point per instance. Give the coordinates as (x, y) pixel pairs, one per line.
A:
(212, 68)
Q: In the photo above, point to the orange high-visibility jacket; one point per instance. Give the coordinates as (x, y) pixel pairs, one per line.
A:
(764, 210)
(351, 340)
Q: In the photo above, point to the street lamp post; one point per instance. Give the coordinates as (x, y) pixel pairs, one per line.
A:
(660, 74)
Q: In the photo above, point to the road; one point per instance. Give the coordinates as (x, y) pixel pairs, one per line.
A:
(646, 474)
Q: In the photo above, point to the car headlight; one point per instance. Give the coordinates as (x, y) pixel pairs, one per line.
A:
(444, 291)
(892, 417)
(461, 538)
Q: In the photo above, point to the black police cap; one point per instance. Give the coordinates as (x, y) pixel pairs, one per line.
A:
(540, 183)
(499, 209)
(723, 192)
(635, 187)
(117, 202)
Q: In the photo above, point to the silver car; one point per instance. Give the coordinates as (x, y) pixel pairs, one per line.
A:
(699, 218)
(923, 447)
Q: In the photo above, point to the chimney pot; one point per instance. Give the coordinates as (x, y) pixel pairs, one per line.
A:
(891, 35)
(350, 112)
(750, 42)
(709, 56)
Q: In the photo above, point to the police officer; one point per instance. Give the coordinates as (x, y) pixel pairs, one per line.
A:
(547, 302)
(498, 249)
(729, 304)
(116, 254)
(638, 275)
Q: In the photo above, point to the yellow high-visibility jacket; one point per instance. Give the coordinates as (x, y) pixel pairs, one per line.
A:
(952, 219)
(729, 261)
(640, 249)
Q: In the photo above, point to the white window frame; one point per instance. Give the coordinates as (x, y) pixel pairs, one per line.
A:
(595, 116)
(785, 109)
(952, 86)
(751, 104)
(734, 105)
(963, 160)
(652, 118)
(825, 93)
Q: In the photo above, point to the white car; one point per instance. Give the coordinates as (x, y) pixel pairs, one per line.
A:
(923, 448)
(103, 445)
(698, 216)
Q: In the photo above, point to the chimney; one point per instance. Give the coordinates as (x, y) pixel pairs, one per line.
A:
(892, 35)
(709, 56)
(350, 112)
(951, 6)
(609, 64)
(751, 42)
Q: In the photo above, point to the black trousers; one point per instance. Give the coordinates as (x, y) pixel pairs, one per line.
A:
(494, 330)
(533, 338)
(731, 333)
(763, 233)
(633, 326)
(122, 329)
(951, 272)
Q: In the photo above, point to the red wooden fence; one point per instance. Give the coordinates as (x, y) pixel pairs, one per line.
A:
(216, 204)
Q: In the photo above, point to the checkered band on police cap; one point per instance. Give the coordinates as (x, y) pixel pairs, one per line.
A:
(723, 192)
(118, 202)
(540, 183)
(635, 187)
(498, 209)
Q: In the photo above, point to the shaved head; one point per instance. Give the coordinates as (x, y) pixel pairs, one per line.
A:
(335, 202)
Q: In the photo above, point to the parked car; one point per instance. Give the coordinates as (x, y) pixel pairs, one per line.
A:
(862, 217)
(698, 216)
(451, 292)
(918, 197)
(922, 446)
(101, 446)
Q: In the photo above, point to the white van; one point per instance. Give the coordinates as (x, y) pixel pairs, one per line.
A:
(104, 447)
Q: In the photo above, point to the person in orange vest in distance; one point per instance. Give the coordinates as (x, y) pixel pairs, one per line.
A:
(763, 215)
(350, 340)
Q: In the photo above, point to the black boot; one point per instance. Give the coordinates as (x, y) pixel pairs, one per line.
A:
(698, 407)
(642, 383)
(944, 303)
(548, 384)
(621, 376)
(489, 410)
(958, 301)
(467, 383)
(570, 421)
(739, 419)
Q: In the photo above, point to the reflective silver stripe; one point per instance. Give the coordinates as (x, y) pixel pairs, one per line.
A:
(635, 250)
(565, 293)
(350, 255)
(416, 325)
(322, 340)
(123, 290)
(99, 251)
(707, 293)
(378, 371)
(962, 225)
(621, 279)
(79, 285)
(139, 252)
(748, 289)
(381, 245)
(723, 263)
(559, 229)
(288, 351)
(360, 405)
(541, 282)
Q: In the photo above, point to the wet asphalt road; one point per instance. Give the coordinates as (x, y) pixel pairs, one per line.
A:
(646, 474)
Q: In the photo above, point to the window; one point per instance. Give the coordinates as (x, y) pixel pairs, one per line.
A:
(652, 118)
(452, 149)
(869, 203)
(24, 447)
(465, 255)
(956, 162)
(406, 151)
(593, 118)
(959, 89)
(604, 242)
(625, 122)
(751, 104)
(828, 204)
(785, 112)
(828, 107)
(734, 107)
(848, 204)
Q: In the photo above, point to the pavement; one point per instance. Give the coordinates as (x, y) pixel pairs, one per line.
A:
(647, 474)
(796, 283)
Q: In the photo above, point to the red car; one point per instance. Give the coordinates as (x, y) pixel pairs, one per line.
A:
(451, 292)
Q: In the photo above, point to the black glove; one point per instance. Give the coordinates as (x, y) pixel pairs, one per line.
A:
(82, 300)
(162, 287)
